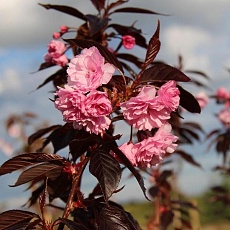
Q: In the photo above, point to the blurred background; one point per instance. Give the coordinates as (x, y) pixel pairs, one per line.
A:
(197, 30)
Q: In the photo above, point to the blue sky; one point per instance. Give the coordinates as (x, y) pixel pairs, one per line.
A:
(198, 30)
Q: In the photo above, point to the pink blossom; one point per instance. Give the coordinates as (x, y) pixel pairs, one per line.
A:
(222, 93)
(56, 35)
(56, 54)
(6, 148)
(88, 70)
(64, 29)
(90, 112)
(224, 117)
(151, 150)
(146, 110)
(202, 99)
(168, 95)
(130, 150)
(128, 41)
(70, 103)
(96, 109)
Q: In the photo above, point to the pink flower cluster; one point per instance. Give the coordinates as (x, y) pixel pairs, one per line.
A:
(128, 41)
(79, 101)
(55, 55)
(151, 108)
(151, 151)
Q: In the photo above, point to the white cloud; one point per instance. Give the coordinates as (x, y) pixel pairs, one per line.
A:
(10, 81)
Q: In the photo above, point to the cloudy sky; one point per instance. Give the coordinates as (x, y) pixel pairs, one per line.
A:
(198, 30)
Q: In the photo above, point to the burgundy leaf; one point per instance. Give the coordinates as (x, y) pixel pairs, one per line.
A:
(166, 219)
(162, 72)
(107, 170)
(114, 4)
(71, 224)
(187, 157)
(115, 218)
(96, 24)
(153, 47)
(153, 191)
(164, 175)
(117, 81)
(128, 164)
(131, 58)
(48, 169)
(188, 101)
(135, 10)
(40, 133)
(65, 9)
(44, 65)
(99, 4)
(61, 137)
(13, 219)
(58, 77)
(109, 57)
(24, 160)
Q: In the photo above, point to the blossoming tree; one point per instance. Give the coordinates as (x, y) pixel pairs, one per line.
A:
(95, 89)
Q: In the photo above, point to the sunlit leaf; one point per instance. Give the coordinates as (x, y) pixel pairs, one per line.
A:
(16, 219)
(41, 171)
(153, 47)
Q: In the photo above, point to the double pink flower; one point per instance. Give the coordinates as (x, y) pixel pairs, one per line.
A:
(151, 108)
(80, 102)
(151, 151)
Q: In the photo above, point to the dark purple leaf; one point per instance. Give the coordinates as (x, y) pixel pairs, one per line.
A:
(135, 10)
(114, 218)
(188, 101)
(153, 48)
(96, 24)
(40, 171)
(44, 65)
(187, 157)
(166, 219)
(99, 4)
(130, 30)
(59, 78)
(107, 170)
(164, 175)
(128, 164)
(16, 219)
(114, 4)
(40, 133)
(65, 9)
(131, 58)
(109, 57)
(71, 224)
(153, 191)
(61, 137)
(197, 73)
(162, 72)
(24, 160)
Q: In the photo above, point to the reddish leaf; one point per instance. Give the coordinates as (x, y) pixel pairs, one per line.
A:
(16, 219)
(109, 57)
(162, 72)
(99, 4)
(153, 47)
(107, 170)
(25, 160)
(65, 9)
(48, 169)
(40, 133)
(114, 4)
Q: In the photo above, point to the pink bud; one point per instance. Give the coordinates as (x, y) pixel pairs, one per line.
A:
(64, 29)
(128, 41)
(56, 35)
